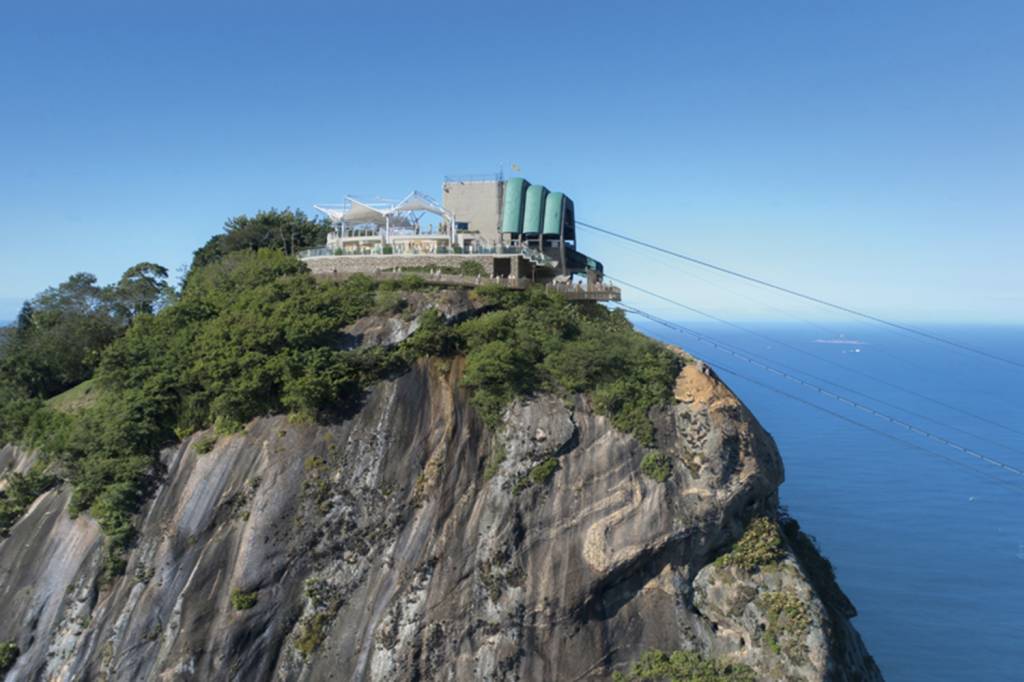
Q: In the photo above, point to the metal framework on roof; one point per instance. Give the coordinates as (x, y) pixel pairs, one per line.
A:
(359, 213)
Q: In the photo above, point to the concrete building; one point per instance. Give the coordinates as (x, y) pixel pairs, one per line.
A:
(475, 205)
(520, 233)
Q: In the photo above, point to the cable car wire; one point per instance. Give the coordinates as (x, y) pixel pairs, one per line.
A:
(828, 393)
(902, 441)
(840, 365)
(867, 316)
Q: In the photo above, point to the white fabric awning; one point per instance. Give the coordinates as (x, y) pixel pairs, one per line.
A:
(356, 212)
(417, 201)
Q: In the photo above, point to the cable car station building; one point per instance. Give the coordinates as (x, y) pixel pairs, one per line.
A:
(519, 234)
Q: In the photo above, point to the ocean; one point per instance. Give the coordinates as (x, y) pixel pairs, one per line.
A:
(929, 546)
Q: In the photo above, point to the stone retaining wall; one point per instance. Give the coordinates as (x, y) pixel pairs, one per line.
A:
(352, 264)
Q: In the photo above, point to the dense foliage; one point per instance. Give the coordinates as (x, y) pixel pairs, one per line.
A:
(760, 545)
(243, 601)
(253, 333)
(59, 335)
(656, 465)
(287, 230)
(20, 492)
(536, 340)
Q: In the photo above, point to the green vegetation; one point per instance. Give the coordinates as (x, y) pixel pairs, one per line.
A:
(656, 465)
(59, 335)
(312, 631)
(789, 619)
(243, 601)
(684, 666)
(75, 398)
(137, 366)
(251, 334)
(288, 231)
(21, 491)
(325, 599)
(536, 340)
(540, 473)
(495, 460)
(205, 444)
(9, 653)
(761, 545)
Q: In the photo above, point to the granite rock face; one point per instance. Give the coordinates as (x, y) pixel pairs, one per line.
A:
(410, 542)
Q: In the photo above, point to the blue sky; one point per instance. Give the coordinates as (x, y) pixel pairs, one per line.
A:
(871, 153)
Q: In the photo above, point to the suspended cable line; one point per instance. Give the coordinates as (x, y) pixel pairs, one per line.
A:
(828, 393)
(840, 365)
(902, 441)
(718, 286)
(867, 316)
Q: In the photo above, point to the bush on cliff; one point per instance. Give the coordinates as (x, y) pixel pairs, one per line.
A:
(536, 340)
(253, 333)
(60, 334)
(684, 666)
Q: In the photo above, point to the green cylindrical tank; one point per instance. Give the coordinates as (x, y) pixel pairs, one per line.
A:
(554, 212)
(533, 212)
(512, 210)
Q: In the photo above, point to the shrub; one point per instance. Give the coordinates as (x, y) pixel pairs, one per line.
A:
(540, 473)
(21, 492)
(9, 653)
(312, 632)
(760, 545)
(537, 340)
(657, 466)
(243, 601)
(472, 268)
(685, 666)
(789, 619)
(205, 444)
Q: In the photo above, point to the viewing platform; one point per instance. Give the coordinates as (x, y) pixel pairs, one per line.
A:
(513, 271)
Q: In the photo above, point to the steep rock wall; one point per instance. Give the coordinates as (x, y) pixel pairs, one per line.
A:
(408, 542)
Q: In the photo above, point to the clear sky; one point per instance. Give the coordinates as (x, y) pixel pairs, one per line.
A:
(868, 152)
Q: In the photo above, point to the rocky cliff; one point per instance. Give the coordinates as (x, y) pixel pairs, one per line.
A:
(409, 541)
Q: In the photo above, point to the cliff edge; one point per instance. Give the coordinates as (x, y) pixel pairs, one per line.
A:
(410, 540)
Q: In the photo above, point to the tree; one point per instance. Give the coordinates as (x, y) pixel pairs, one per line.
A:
(143, 288)
(288, 230)
(57, 340)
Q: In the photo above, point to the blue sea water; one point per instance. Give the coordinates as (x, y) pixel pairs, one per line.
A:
(929, 546)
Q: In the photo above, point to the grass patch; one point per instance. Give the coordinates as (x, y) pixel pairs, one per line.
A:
(656, 465)
(761, 545)
(684, 666)
(205, 443)
(243, 601)
(76, 398)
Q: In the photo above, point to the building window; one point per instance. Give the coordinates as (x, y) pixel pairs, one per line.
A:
(461, 227)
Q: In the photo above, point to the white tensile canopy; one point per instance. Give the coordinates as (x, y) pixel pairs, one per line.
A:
(356, 212)
(417, 201)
